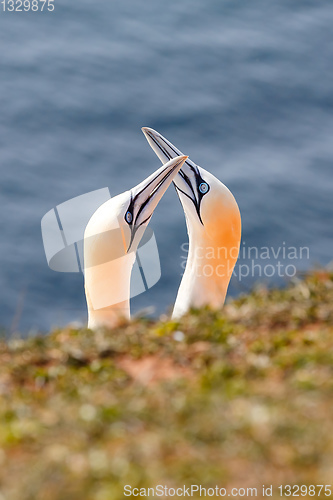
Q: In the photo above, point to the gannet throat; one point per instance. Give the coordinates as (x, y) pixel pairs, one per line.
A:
(214, 229)
(111, 239)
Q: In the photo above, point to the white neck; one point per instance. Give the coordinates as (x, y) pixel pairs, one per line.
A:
(107, 288)
(109, 317)
(206, 277)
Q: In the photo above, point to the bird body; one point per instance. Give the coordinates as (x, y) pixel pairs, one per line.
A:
(214, 230)
(108, 266)
(111, 239)
(213, 249)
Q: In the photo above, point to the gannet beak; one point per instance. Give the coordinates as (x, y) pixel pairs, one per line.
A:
(162, 147)
(189, 178)
(146, 195)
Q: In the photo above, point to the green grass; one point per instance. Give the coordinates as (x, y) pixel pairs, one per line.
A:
(245, 399)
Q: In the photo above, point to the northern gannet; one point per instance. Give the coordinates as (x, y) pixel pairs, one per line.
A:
(111, 239)
(214, 229)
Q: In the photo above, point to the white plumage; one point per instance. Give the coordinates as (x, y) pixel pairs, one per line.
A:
(214, 230)
(110, 241)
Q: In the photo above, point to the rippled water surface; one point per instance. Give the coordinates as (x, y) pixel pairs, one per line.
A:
(244, 88)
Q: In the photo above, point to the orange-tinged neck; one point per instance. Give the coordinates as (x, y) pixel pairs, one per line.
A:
(213, 253)
(107, 286)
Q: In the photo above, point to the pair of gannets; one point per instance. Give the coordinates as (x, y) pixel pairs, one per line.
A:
(114, 232)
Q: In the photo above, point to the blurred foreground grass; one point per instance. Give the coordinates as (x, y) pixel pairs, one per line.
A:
(238, 398)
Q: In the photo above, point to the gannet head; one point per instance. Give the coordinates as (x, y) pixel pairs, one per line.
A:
(111, 239)
(122, 220)
(210, 208)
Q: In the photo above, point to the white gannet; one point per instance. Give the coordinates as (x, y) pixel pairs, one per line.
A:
(111, 239)
(214, 229)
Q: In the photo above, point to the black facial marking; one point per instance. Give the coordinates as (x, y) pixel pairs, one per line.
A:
(197, 196)
(133, 225)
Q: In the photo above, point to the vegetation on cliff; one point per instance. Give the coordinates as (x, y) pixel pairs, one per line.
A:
(237, 398)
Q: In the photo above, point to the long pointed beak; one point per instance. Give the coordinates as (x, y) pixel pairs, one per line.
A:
(164, 149)
(146, 195)
(189, 178)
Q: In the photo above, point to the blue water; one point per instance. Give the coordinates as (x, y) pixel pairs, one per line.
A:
(243, 87)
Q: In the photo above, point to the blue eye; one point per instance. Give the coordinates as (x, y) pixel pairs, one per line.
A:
(203, 187)
(128, 217)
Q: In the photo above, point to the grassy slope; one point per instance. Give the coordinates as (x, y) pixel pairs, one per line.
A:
(244, 400)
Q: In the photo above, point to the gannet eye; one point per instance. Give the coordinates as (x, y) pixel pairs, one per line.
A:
(203, 187)
(128, 217)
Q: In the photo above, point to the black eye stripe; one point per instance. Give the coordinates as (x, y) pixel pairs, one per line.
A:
(196, 205)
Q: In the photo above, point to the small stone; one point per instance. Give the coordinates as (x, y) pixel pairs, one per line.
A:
(87, 412)
(179, 336)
